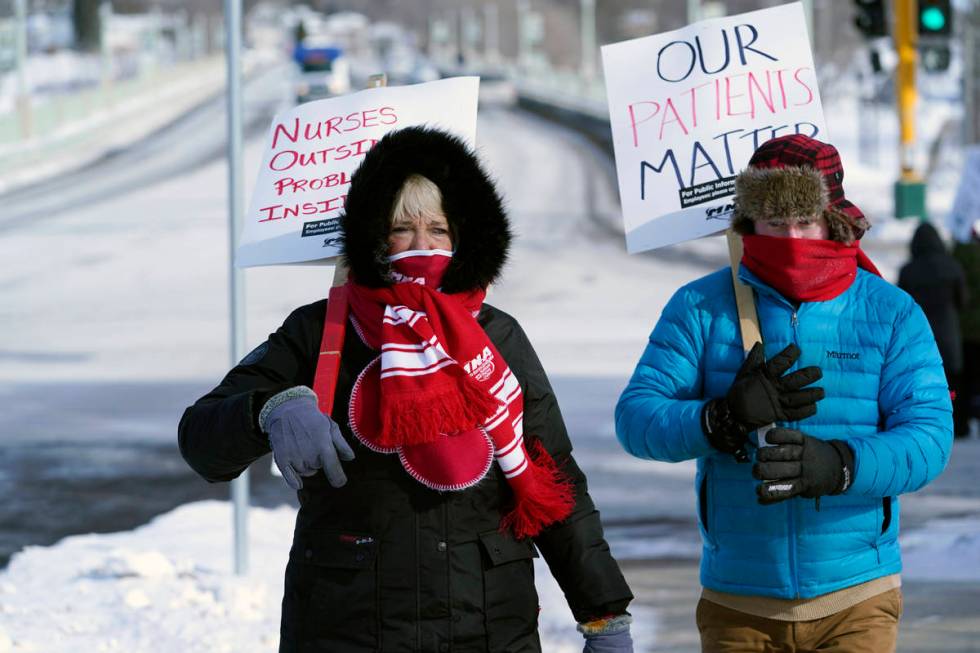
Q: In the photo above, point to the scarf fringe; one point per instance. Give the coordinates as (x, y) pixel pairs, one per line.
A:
(421, 417)
(546, 497)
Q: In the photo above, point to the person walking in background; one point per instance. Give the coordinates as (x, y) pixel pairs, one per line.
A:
(800, 550)
(937, 284)
(446, 465)
(967, 402)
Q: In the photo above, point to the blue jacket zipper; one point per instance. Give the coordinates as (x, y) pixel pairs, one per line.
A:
(794, 572)
(791, 509)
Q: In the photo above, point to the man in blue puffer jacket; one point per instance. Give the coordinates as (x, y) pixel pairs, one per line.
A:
(800, 550)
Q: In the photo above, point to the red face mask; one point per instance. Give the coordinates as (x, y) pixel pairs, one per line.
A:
(425, 267)
(804, 270)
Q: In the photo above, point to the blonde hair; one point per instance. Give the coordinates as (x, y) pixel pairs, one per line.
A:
(418, 197)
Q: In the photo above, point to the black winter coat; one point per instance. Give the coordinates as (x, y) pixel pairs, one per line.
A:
(937, 283)
(968, 256)
(384, 563)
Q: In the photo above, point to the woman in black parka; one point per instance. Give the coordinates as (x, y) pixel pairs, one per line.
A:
(448, 466)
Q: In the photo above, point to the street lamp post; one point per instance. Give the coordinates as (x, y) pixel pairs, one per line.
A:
(105, 56)
(588, 62)
(808, 12)
(693, 11)
(236, 279)
(523, 44)
(491, 34)
(20, 58)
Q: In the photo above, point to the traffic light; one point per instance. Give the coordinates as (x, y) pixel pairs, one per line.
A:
(935, 24)
(870, 18)
(935, 18)
(936, 57)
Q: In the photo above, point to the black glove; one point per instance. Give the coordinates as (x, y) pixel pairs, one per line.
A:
(761, 395)
(801, 465)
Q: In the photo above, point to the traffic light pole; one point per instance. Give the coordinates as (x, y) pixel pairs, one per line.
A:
(910, 190)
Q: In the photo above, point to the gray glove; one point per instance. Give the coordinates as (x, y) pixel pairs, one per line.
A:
(620, 642)
(303, 439)
(612, 636)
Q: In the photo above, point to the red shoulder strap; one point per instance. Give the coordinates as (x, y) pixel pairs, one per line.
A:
(332, 343)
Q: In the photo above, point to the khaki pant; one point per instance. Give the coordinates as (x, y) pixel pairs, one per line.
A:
(871, 626)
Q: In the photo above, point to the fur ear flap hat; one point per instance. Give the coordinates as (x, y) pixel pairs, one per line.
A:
(481, 231)
(792, 177)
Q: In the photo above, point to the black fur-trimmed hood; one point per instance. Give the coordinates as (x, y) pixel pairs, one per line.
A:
(469, 199)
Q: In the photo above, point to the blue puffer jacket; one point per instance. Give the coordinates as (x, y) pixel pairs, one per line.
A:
(886, 394)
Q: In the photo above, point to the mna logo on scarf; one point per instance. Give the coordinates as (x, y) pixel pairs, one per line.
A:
(481, 367)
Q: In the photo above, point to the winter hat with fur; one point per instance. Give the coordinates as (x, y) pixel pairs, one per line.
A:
(792, 177)
(481, 231)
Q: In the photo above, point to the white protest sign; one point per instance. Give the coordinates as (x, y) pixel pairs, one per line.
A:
(966, 206)
(689, 107)
(313, 149)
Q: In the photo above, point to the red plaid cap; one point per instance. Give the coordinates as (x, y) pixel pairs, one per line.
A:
(797, 150)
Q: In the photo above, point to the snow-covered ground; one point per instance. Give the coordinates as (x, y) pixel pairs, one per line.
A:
(168, 586)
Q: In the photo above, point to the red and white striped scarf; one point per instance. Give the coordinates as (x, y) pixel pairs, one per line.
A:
(442, 382)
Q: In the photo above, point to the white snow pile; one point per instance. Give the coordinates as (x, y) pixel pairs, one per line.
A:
(168, 586)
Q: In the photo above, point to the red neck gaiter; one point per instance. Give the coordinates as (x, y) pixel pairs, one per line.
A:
(443, 398)
(803, 269)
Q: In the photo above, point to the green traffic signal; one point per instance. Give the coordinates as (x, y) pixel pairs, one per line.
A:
(933, 19)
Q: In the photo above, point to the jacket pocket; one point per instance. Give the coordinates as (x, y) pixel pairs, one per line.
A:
(704, 509)
(510, 599)
(331, 597)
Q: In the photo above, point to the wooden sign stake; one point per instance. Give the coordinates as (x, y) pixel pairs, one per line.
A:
(335, 324)
(748, 319)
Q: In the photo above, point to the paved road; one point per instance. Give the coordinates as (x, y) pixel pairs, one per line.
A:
(937, 617)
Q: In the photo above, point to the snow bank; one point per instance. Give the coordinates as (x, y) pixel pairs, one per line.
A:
(168, 586)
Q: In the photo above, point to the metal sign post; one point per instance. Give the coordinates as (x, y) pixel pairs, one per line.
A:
(236, 286)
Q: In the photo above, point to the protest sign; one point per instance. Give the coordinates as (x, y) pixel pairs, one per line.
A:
(689, 107)
(966, 206)
(313, 149)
